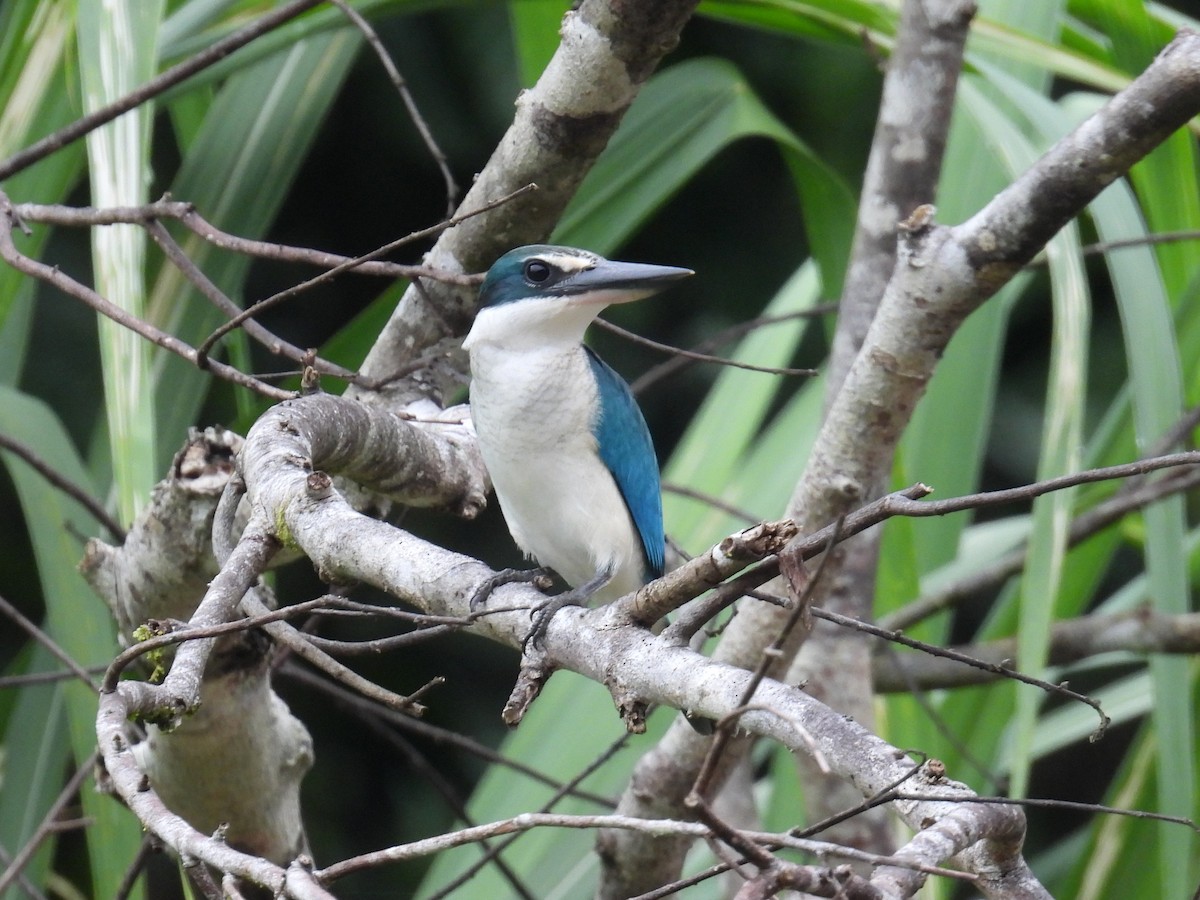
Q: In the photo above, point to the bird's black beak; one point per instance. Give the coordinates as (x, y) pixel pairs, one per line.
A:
(610, 281)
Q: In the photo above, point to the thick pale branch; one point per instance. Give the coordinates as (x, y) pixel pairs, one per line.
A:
(902, 173)
(430, 463)
(942, 275)
(905, 161)
(174, 775)
(141, 579)
(630, 660)
(129, 780)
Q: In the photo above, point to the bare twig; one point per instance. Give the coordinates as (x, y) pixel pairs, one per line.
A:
(566, 790)
(22, 621)
(71, 287)
(709, 500)
(217, 298)
(363, 707)
(152, 88)
(21, 859)
(908, 503)
(967, 660)
(286, 635)
(31, 678)
(185, 213)
(1046, 803)
(275, 299)
(725, 336)
(401, 86)
(694, 356)
(64, 484)
(1133, 495)
(727, 727)
(649, 827)
(1143, 630)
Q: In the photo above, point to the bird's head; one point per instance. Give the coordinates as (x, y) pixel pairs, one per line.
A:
(542, 294)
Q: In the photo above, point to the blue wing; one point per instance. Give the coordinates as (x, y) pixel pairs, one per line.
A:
(626, 448)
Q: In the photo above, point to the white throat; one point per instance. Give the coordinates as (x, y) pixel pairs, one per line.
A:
(549, 323)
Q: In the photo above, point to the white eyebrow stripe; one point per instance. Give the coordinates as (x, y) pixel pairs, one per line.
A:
(569, 262)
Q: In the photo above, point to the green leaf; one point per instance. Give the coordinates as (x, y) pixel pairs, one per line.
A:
(683, 117)
(1156, 380)
(36, 750)
(535, 25)
(75, 618)
(35, 100)
(118, 40)
(237, 173)
(736, 408)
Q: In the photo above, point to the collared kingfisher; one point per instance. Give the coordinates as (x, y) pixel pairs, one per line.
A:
(567, 448)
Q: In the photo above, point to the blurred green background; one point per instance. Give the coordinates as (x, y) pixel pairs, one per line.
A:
(742, 160)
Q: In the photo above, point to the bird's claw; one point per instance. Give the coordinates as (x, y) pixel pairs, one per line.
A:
(539, 578)
(541, 615)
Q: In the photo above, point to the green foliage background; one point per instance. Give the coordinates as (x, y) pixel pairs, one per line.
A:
(742, 159)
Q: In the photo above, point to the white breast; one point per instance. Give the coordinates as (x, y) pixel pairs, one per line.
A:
(532, 410)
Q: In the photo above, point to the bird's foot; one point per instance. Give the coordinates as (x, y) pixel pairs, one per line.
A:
(541, 615)
(578, 596)
(539, 578)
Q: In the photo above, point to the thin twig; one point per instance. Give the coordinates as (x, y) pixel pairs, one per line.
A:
(136, 866)
(1134, 495)
(886, 795)
(425, 771)
(48, 642)
(1143, 630)
(185, 213)
(732, 333)
(770, 657)
(8, 682)
(965, 659)
(21, 859)
(694, 356)
(709, 500)
(566, 790)
(651, 827)
(289, 637)
(1042, 803)
(71, 287)
(152, 88)
(984, 499)
(401, 86)
(275, 299)
(181, 631)
(64, 484)
(217, 298)
(364, 707)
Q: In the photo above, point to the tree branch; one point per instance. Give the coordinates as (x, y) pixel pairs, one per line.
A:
(633, 663)
(55, 277)
(942, 275)
(902, 173)
(1142, 630)
(157, 85)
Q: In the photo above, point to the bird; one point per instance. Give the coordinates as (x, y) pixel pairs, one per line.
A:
(567, 448)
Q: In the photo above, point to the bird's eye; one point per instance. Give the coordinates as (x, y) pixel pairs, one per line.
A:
(537, 272)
